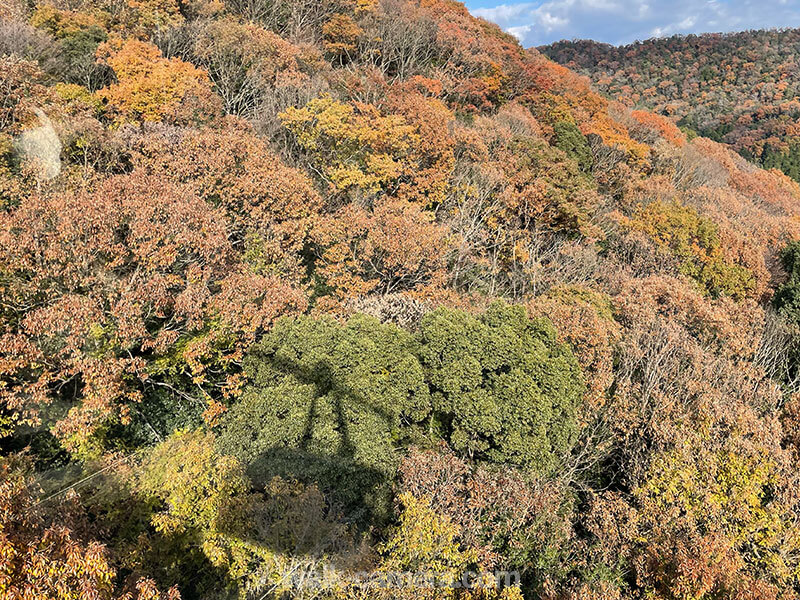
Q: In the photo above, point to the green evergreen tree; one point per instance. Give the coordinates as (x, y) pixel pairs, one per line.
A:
(502, 384)
(570, 139)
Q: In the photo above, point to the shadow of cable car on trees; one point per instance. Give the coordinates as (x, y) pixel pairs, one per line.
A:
(325, 408)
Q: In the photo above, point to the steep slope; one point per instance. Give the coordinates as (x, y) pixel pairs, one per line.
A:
(362, 286)
(742, 88)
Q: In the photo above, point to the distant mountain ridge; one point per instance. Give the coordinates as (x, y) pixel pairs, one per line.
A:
(741, 88)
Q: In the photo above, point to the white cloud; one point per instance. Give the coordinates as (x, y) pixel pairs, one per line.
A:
(551, 22)
(503, 12)
(623, 21)
(520, 32)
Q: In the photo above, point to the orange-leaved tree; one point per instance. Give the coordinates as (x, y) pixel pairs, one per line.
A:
(270, 207)
(98, 281)
(150, 87)
(396, 247)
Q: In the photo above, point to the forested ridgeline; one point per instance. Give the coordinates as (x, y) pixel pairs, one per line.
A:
(291, 287)
(742, 89)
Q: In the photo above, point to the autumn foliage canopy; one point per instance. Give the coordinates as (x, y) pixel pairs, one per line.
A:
(364, 287)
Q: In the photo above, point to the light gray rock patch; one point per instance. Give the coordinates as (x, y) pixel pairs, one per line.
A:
(40, 148)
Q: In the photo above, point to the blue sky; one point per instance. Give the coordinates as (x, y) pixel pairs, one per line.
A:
(623, 21)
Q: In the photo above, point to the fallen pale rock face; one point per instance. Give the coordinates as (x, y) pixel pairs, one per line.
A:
(40, 148)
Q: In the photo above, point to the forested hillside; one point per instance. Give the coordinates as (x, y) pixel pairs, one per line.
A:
(300, 295)
(742, 89)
